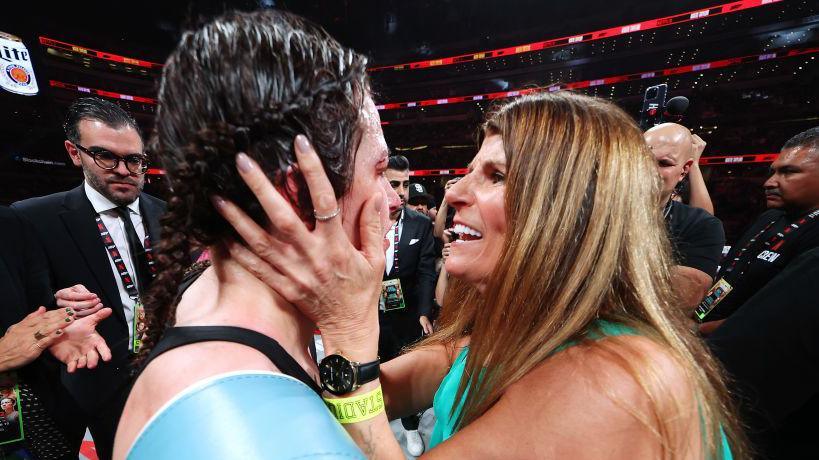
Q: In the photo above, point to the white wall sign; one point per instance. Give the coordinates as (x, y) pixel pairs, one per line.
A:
(16, 72)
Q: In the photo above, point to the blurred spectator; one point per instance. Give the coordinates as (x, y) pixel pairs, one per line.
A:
(418, 199)
(787, 230)
(408, 292)
(697, 236)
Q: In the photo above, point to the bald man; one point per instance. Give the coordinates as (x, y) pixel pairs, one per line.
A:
(697, 236)
(789, 228)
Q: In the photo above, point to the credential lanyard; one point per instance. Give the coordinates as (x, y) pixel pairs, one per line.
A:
(395, 239)
(122, 270)
(773, 243)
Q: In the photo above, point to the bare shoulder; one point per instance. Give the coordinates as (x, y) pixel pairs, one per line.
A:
(174, 371)
(603, 399)
(614, 391)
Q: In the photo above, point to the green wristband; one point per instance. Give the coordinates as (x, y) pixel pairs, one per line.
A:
(356, 408)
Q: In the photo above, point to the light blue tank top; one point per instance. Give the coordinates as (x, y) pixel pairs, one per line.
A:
(444, 399)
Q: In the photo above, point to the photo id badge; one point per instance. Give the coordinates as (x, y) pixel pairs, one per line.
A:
(392, 297)
(138, 332)
(11, 417)
(715, 295)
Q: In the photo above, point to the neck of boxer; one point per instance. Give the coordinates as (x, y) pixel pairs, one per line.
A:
(228, 295)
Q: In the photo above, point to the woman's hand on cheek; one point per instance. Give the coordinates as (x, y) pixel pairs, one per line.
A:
(318, 270)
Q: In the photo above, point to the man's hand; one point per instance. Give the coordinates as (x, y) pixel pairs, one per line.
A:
(709, 327)
(426, 325)
(697, 148)
(80, 346)
(80, 299)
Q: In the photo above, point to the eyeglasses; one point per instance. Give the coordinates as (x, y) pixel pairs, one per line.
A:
(136, 163)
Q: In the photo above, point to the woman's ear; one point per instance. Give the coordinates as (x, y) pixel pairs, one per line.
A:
(290, 188)
(291, 183)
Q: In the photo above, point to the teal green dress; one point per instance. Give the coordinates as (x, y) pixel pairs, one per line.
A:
(445, 396)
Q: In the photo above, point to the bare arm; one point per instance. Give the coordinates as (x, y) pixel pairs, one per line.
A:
(690, 286)
(440, 287)
(410, 381)
(443, 278)
(440, 218)
(699, 192)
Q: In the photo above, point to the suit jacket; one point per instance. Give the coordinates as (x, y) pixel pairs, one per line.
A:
(24, 283)
(64, 226)
(416, 267)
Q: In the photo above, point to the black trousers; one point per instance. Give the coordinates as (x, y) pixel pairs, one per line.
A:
(399, 328)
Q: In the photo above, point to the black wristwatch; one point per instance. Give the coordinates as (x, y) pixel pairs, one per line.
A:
(340, 376)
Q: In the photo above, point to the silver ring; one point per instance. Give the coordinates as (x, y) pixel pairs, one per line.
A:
(328, 216)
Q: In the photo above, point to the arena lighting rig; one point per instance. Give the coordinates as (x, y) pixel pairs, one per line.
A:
(605, 81)
(657, 23)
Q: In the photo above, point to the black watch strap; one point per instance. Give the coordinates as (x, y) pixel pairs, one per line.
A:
(367, 372)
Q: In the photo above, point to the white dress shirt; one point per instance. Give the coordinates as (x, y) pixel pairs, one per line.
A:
(399, 226)
(116, 229)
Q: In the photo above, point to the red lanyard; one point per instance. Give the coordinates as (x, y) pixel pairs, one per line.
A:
(113, 252)
(395, 239)
(774, 242)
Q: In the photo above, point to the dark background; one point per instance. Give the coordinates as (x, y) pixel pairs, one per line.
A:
(743, 109)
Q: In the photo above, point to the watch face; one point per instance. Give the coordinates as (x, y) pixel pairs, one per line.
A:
(336, 374)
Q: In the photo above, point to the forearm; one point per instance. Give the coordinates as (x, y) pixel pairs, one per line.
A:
(440, 286)
(373, 436)
(700, 198)
(690, 286)
(410, 381)
(440, 220)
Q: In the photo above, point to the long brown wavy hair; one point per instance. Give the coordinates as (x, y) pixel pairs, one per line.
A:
(585, 240)
(246, 82)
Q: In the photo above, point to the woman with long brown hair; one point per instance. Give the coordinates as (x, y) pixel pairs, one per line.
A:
(558, 338)
(240, 89)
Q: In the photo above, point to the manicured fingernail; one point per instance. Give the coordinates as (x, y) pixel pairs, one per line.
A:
(58, 332)
(243, 163)
(218, 201)
(67, 309)
(70, 313)
(68, 320)
(302, 144)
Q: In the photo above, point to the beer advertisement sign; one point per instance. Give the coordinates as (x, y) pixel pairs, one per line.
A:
(16, 71)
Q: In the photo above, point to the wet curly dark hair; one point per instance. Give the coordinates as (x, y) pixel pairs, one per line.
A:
(245, 82)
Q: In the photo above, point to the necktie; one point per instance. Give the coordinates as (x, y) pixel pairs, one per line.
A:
(137, 250)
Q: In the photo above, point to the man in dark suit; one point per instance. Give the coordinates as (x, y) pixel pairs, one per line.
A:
(409, 283)
(24, 341)
(770, 348)
(97, 239)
